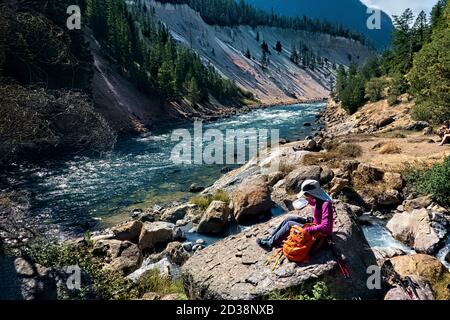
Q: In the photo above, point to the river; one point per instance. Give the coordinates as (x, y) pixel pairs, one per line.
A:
(73, 194)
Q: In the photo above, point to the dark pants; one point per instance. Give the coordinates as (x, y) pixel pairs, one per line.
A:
(282, 230)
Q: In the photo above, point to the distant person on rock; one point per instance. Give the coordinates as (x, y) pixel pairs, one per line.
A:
(444, 133)
(322, 221)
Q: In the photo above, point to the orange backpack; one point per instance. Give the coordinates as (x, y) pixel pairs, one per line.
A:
(299, 245)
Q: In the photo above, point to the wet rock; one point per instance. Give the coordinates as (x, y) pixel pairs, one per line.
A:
(187, 246)
(447, 257)
(294, 180)
(135, 213)
(154, 233)
(356, 210)
(307, 124)
(215, 218)
(129, 231)
(200, 241)
(235, 267)
(251, 199)
(176, 253)
(197, 247)
(194, 188)
(174, 214)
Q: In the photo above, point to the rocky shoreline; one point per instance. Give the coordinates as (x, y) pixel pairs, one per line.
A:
(235, 267)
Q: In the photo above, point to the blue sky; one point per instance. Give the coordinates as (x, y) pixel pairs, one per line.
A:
(396, 7)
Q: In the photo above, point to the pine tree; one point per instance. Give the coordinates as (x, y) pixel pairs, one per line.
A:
(294, 55)
(279, 47)
(264, 59)
(193, 92)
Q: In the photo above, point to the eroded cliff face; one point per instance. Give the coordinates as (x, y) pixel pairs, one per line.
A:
(281, 81)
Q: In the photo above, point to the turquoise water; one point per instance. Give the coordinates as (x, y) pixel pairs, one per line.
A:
(79, 193)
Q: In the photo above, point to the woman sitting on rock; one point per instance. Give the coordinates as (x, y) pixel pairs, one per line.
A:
(323, 216)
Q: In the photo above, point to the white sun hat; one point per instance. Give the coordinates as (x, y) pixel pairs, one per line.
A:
(313, 188)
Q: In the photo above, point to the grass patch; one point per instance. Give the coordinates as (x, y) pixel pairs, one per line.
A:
(431, 180)
(152, 281)
(335, 153)
(204, 201)
(389, 148)
(319, 291)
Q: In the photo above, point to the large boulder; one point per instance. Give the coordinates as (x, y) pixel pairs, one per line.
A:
(417, 203)
(155, 233)
(419, 229)
(128, 231)
(295, 179)
(174, 214)
(427, 267)
(251, 199)
(122, 256)
(215, 218)
(235, 267)
(389, 198)
(129, 259)
(393, 180)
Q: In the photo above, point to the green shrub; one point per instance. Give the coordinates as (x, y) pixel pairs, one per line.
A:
(434, 181)
(319, 291)
(374, 89)
(431, 112)
(392, 100)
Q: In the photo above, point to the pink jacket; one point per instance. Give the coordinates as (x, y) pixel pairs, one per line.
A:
(323, 219)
